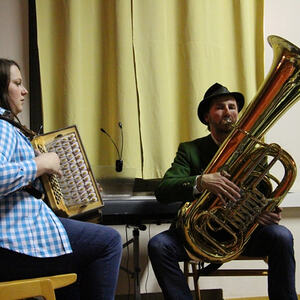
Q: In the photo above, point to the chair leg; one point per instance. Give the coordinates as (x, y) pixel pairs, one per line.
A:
(193, 273)
(196, 282)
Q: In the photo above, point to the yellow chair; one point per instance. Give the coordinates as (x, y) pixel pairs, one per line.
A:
(35, 287)
(193, 269)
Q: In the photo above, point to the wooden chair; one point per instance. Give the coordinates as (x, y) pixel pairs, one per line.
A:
(35, 287)
(193, 269)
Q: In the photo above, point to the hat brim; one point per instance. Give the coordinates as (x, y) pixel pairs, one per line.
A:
(205, 103)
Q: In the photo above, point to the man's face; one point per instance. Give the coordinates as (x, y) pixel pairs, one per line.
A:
(222, 113)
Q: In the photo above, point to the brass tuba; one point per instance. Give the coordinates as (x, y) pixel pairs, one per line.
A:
(217, 233)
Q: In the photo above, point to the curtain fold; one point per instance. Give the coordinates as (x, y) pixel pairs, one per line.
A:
(146, 63)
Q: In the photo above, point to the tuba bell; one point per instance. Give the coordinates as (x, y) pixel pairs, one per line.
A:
(214, 232)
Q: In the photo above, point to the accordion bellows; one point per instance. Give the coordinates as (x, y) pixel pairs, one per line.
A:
(76, 191)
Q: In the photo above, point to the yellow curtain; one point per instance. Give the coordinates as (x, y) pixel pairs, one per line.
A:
(146, 63)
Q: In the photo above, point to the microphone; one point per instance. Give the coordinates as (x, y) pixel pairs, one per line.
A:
(119, 161)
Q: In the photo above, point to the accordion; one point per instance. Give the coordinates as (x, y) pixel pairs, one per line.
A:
(75, 193)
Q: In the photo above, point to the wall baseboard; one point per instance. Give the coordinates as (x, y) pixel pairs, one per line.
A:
(249, 298)
(253, 298)
(211, 294)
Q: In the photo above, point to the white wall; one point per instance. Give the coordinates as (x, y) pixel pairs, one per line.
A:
(14, 40)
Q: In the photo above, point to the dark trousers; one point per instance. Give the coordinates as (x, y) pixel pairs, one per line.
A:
(275, 241)
(96, 259)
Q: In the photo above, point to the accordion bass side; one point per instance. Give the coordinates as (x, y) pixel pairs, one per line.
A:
(76, 192)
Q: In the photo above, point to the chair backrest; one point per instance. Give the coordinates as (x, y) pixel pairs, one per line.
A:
(42, 286)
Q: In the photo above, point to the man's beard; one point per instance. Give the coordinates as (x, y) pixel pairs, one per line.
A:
(225, 126)
(227, 123)
(224, 129)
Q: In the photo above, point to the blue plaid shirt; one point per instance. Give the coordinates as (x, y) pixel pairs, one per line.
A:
(27, 224)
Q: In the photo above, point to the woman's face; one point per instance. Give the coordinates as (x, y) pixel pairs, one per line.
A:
(16, 90)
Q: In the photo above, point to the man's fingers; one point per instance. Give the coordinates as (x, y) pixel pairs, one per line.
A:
(267, 218)
(221, 186)
(232, 185)
(221, 198)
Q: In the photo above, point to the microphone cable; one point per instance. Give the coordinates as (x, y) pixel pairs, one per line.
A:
(119, 161)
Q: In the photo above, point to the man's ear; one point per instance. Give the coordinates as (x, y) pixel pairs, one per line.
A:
(206, 117)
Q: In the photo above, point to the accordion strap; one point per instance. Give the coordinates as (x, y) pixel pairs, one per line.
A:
(27, 132)
(33, 192)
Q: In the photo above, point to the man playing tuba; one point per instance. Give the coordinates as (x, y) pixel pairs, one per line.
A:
(183, 181)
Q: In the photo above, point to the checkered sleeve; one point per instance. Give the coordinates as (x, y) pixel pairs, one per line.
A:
(15, 171)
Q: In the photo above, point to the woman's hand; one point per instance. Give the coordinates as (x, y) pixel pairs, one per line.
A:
(220, 185)
(47, 163)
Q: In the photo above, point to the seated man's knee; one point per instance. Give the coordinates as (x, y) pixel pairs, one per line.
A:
(283, 236)
(153, 246)
(156, 246)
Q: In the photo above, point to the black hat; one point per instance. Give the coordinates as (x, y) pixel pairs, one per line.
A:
(217, 90)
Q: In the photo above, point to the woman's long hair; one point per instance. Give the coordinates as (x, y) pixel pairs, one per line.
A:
(5, 65)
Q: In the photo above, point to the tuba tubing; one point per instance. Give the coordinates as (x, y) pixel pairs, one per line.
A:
(214, 233)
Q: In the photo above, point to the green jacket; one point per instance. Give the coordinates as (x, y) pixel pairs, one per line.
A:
(191, 160)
